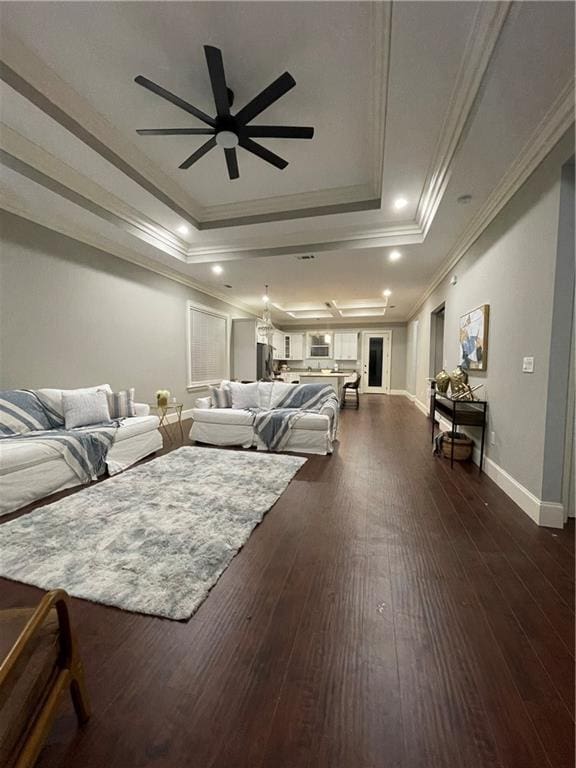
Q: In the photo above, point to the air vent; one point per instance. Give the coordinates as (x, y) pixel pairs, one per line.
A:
(305, 256)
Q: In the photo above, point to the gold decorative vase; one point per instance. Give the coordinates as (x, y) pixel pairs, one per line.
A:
(442, 381)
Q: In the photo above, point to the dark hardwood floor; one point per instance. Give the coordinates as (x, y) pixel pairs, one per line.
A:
(387, 613)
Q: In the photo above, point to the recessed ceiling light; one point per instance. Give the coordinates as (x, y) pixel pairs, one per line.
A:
(217, 269)
(395, 255)
(183, 229)
(387, 292)
(400, 203)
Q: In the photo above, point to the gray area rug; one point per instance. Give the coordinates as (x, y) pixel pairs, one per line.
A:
(155, 539)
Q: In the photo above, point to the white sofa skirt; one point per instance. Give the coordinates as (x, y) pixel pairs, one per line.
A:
(222, 434)
(303, 441)
(30, 472)
(23, 486)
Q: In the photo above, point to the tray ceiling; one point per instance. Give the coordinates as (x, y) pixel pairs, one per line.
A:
(425, 101)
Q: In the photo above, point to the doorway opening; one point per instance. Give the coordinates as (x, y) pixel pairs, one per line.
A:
(436, 341)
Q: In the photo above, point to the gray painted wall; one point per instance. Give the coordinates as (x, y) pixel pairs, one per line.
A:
(511, 267)
(73, 316)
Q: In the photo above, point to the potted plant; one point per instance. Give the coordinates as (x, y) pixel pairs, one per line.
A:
(162, 396)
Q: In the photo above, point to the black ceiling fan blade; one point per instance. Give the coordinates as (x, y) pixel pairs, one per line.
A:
(263, 153)
(265, 98)
(174, 131)
(218, 80)
(232, 163)
(173, 99)
(210, 144)
(278, 132)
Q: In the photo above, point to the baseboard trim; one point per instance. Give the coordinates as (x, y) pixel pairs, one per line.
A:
(548, 514)
(544, 513)
(401, 392)
(171, 418)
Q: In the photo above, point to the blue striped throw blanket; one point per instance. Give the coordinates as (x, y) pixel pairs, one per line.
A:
(273, 426)
(23, 416)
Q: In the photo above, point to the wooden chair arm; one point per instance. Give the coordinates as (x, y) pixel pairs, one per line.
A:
(59, 599)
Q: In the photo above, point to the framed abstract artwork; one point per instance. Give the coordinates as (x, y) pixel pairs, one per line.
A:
(474, 339)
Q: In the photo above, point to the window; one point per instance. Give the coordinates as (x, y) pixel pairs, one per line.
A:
(208, 346)
(319, 345)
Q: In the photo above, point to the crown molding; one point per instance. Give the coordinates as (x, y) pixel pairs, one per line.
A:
(43, 168)
(555, 123)
(30, 160)
(286, 203)
(381, 237)
(14, 205)
(381, 48)
(479, 50)
(26, 73)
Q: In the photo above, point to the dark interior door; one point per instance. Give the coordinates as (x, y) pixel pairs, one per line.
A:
(376, 352)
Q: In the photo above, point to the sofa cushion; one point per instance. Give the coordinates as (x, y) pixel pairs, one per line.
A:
(232, 416)
(82, 409)
(137, 425)
(265, 393)
(244, 395)
(53, 397)
(312, 421)
(279, 391)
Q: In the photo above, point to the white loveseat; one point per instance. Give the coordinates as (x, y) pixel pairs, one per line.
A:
(30, 470)
(311, 433)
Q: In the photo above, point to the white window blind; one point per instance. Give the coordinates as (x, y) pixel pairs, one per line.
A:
(208, 358)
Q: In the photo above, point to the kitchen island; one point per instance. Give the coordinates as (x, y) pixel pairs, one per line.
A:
(317, 377)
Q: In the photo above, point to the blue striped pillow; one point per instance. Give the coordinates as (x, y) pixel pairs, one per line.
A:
(221, 397)
(121, 404)
(22, 411)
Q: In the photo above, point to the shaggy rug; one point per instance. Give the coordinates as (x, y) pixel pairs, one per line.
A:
(153, 540)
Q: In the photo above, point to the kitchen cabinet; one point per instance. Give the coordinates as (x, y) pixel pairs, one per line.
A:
(294, 346)
(345, 346)
(278, 345)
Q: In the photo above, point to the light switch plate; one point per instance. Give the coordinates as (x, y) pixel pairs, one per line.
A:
(528, 365)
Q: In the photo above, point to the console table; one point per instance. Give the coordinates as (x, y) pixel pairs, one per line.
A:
(460, 413)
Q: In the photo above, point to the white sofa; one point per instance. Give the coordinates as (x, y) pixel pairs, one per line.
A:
(312, 433)
(30, 471)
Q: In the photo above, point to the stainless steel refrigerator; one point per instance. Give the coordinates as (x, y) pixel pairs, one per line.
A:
(264, 357)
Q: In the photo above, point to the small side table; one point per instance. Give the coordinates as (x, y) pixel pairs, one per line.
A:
(163, 411)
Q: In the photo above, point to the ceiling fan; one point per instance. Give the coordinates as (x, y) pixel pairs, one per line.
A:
(227, 130)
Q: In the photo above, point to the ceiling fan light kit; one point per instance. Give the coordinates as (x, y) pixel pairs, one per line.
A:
(225, 129)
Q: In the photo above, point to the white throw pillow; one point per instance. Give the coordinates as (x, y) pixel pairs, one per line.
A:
(279, 390)
(265, 393)
(81, 409)
(53, 397)
(244, 395)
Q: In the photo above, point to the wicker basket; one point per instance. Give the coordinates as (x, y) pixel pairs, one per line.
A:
(459, 443)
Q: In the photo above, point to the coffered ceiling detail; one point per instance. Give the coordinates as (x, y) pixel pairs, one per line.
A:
(406, 99)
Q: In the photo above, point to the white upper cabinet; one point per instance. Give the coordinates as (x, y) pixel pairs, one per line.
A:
(278, 345)
(346, 346)
(295, 346)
